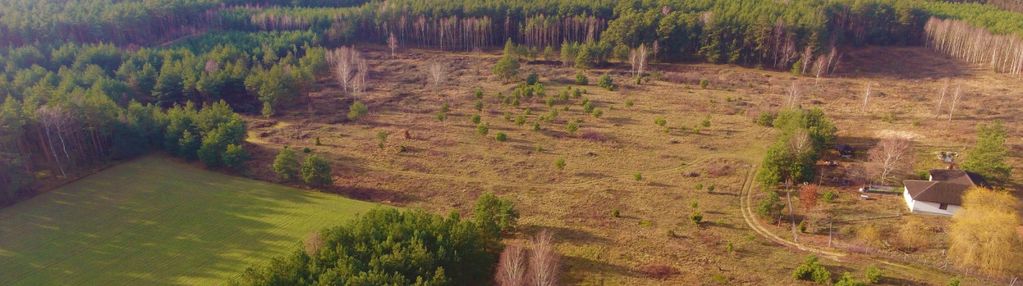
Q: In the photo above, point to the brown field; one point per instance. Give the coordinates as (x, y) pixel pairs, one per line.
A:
(445, 165)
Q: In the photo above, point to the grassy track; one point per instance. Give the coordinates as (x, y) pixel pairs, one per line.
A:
(155, 221)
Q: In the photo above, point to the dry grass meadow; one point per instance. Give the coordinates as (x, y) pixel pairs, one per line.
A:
(444, 165)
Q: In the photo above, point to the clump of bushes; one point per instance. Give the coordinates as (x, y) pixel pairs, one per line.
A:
(316, 171)
(581, 79)
(812, 270)
(501, 137)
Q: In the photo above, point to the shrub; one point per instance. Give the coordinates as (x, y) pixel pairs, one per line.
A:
(812, 270)
(699, 186)
(532, 78)
(306, 150)
(706, 122)
(637, 176)
(581, 79)
(802, 226)
(629, 103)
(501, 137)
(475, 119)
(357, 110)
(520, 120)
(954, 281)
(479, 105)
(710, 188)
(696, 217)
(766, 119)
(441, 116)
(572, 127)
(830, 196)
(615, 213)
(873, 275)
(478, 93)
(704, 83)
(577, 93)
(848, 280)
(316, 171)
(235, 157)
(382, 138)
(482, 129)
(598, 113)
(560, 163)
(606, 82)
(536, 126)
(588, 107)
(660, 121)
(507, 68)
(317, 142)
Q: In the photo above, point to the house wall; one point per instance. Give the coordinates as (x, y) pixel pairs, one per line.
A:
(932, 208)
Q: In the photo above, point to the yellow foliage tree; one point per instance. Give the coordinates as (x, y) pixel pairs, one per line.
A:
(983, 233)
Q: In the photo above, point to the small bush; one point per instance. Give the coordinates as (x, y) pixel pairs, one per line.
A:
(660, 121)
(441, 116)
(577, 93)
(812, 270)
(572, 127)
(696, 217)
(706, 122)
(475, 119)
(606, 82)
(536, 127)
(802, 226)
(532, 78)
(479, 105)
(560, 163)
(581, 79)
(478, 93)
(629, 103)
(317, 141)
(520, 120)
(307, 150)
(848, 280)
(501, 137)
(615, 213)
(873, 275)
(637, 176)
(699, 187)
(954, 281)
(766, 119)
(357, 110)
(710, 188)
(588, 107)
(598, 113)
(482, 128)
(704, 83)
(830, 196)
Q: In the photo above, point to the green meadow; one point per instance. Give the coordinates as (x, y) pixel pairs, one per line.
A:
(157, 221)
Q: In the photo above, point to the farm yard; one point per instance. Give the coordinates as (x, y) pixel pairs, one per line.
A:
(157, 221)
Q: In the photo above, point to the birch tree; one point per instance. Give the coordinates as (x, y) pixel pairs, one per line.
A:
(544, 261)
(890, 155)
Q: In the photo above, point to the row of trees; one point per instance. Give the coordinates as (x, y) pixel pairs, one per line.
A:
(391, 247)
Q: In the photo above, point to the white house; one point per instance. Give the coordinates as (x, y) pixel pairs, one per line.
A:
(941, 194)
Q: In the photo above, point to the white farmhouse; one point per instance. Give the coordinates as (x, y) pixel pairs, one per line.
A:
(942, 193)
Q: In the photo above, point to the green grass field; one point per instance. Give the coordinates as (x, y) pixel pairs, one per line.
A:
(156, 221)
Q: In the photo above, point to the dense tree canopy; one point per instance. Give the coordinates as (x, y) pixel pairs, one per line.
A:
(388, 247)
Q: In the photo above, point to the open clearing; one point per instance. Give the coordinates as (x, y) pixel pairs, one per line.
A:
(157, 221)
(445, 165)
